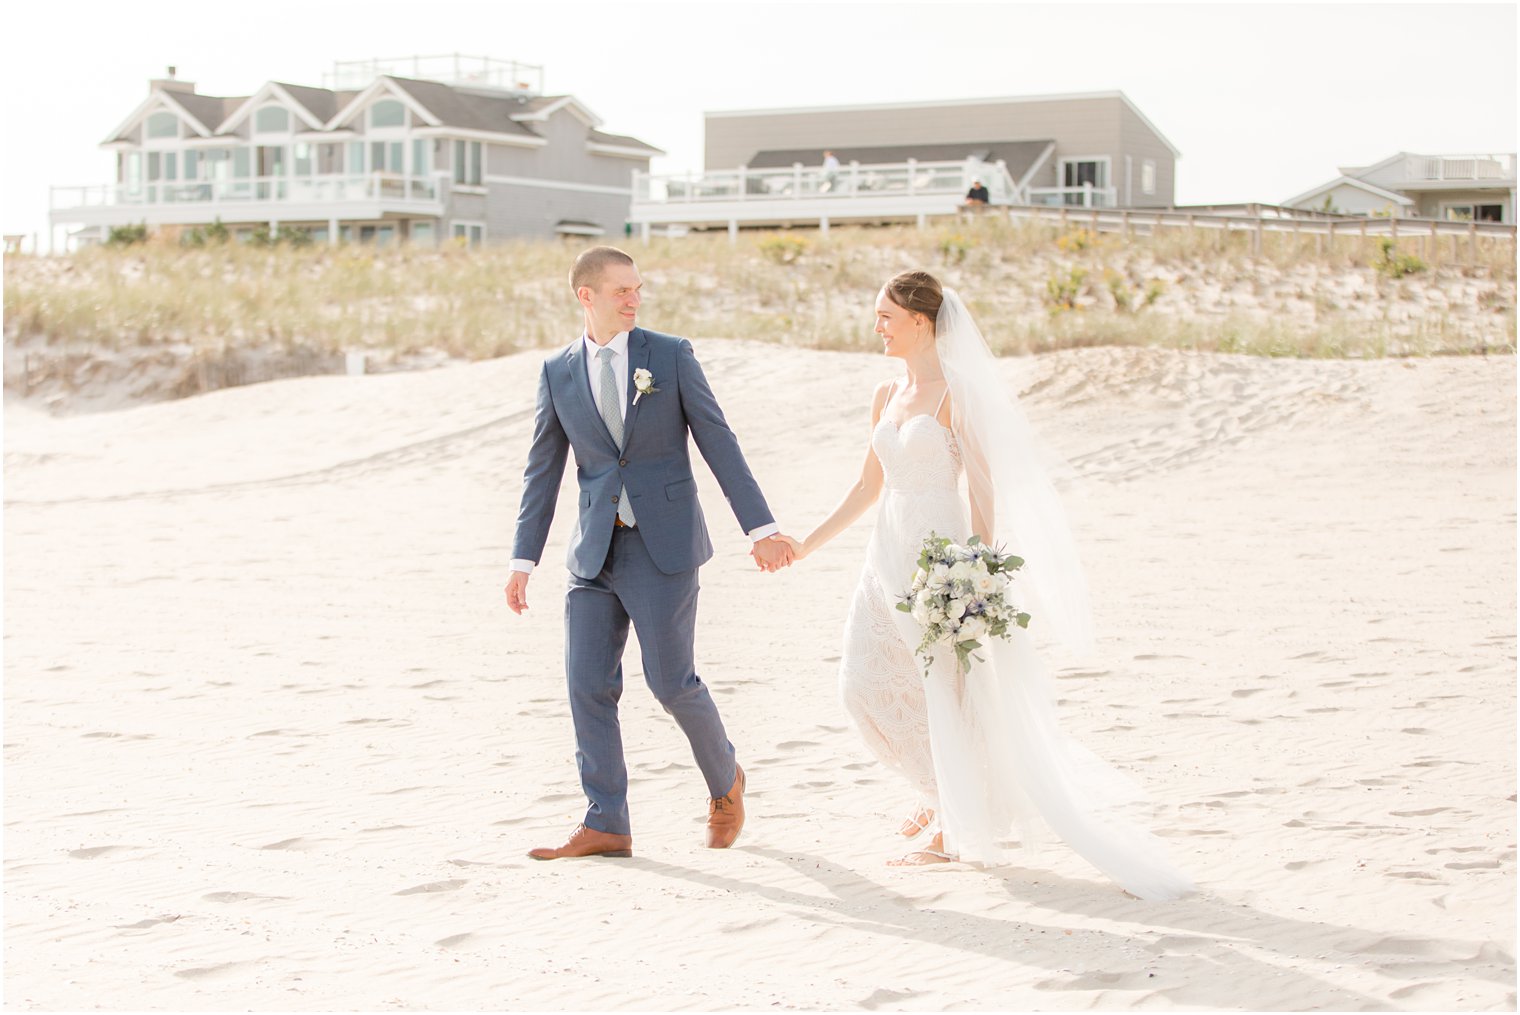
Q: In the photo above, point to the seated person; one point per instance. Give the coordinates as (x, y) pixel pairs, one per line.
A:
(977, 196)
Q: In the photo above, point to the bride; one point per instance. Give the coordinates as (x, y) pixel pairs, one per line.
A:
(981, 748)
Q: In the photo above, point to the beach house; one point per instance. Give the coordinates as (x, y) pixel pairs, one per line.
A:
(1453, 188)
(419, 149)
(912, 160)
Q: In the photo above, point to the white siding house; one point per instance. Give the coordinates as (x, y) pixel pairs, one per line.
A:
(475, 153)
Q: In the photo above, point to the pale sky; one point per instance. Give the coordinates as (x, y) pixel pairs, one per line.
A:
(1263, 100)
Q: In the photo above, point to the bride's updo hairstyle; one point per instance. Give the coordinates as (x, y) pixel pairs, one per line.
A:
(918, 292)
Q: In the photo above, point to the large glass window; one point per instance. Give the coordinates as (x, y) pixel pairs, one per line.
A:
(271, 160)
(241, 162)
(171, 165)
(163, 125)
(192, 165)
(1148, 176)
(467, 162)
(301, 158)
(329, 158)
(422, 232)
(385, 156)
(271, 120)
(422, 162)
(155, 165)
(387, 113)
(355, 157)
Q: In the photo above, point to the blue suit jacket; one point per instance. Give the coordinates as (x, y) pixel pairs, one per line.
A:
(653, 465)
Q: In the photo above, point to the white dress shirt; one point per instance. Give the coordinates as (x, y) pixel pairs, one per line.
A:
(619, 346)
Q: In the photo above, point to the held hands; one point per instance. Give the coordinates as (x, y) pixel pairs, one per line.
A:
(776, 552)
(772, 553)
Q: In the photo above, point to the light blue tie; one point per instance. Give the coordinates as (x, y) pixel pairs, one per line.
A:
(611, 405)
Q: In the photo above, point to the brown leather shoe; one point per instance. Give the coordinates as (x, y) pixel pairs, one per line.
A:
(587, 842)
(725, 815)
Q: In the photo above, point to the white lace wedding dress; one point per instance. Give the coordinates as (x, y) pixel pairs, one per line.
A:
(981, 749)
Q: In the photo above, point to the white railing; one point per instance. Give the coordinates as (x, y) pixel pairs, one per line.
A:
(802, 183)
(1433, 168)
(287, 189)
(1086, 196)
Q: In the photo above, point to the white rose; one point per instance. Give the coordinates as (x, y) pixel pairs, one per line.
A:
(940, 570)
(957, 608)
(985, 583)
(921, 612)
(974, 627)
(962, 570)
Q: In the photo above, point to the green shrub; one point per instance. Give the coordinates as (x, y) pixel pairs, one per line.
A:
(126, 236)
(1061, 290)
(1393, 263)
(954, 247)
(784, 248)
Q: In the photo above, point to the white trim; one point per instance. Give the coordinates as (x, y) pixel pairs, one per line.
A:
(467, 188)
(575, 107)
(598, 148)
(1359, 171)
(1349, 181)
(1036, 165)
(573, 230)
(468, 134)
(382, 84)
(528, 181)
(946, 103)
(1148, 164)
(269, 91)
(146, 106)
(1108, 170)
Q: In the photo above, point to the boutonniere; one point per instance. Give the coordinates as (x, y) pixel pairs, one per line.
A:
(643, 384)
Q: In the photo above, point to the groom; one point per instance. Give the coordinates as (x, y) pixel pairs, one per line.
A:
(624, 399)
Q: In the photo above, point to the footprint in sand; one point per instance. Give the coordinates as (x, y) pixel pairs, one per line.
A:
(91, 852)
(433, 887)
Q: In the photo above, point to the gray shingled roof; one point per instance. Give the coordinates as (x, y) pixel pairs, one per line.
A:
(453, 107)
(320, 102)
(1019, 155)
(210, 110)
(470, 110)
(602, 137)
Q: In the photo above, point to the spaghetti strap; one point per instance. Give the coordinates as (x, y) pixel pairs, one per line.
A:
(941, 404)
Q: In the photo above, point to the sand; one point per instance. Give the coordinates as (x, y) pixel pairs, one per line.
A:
(273, 740)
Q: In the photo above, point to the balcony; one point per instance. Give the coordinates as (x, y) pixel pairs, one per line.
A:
(1478, 170)
(253, 199)
(880, 192)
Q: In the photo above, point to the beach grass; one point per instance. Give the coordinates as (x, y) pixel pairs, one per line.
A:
(1033, 286)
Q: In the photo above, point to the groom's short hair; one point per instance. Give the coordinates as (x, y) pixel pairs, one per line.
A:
(589, 266)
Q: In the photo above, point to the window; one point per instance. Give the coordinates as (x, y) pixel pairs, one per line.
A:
(422, 232)
(301, 157)
(355, 157)
(471, 232)
(171, 165)
(467, 162)
(1085, 172)
(163, 125)
(271, 160)
(1475, 213)
(242, 159)
(1148, 176)
(388, 113)
(421, 162)
(155, 165)
(329, 158)
(271, 120)
(385, 156)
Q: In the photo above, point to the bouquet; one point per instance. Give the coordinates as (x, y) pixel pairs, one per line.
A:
(962, 594)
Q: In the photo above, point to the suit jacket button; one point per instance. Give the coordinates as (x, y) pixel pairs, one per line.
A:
(614, 500)
(623, 462)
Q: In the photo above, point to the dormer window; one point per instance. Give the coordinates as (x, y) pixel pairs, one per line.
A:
(163, 125)
(271, 120)
(387, 113)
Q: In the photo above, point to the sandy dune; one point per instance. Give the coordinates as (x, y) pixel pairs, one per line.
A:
(273, 741)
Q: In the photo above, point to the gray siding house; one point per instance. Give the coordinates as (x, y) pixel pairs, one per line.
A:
(1054, 146)
(477, 156)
